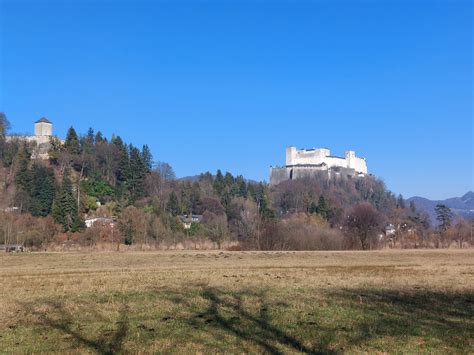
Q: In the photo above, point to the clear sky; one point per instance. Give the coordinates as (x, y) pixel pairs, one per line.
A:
(229, 84)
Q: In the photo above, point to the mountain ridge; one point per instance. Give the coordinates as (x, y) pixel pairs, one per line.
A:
(461, 206)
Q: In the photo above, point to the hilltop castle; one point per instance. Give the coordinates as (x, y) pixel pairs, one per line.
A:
(43, 133)
(307, 162)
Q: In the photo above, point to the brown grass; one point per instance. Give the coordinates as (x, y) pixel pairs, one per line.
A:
(238, 301)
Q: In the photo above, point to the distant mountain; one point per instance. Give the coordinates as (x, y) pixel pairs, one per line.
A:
(463, 206)
(194, 178)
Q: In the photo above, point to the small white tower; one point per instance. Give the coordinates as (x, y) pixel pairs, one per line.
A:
(350, 159)
(290, 155)
(43, 130)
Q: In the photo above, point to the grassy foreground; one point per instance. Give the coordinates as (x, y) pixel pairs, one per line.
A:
(272, 302)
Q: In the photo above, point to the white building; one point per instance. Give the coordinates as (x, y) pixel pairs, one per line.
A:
(103, 221)
(306, 162)
(188, 220)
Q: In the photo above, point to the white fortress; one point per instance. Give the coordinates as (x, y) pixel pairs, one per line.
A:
(306, 162)
(42, 137)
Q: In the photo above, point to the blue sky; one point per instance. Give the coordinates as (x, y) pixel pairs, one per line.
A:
(229, 84)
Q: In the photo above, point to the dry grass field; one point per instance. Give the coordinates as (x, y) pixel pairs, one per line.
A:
(238, 302)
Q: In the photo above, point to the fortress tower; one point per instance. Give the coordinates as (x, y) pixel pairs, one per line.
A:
(43, 130)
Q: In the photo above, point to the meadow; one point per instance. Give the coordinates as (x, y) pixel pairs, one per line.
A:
(238, 302)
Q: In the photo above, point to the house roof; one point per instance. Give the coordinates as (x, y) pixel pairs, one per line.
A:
(43, 120)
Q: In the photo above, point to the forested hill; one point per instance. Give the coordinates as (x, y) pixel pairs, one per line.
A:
(96, 178)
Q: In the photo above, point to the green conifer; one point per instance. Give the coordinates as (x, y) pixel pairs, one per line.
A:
(72, 144)
(65, 210)
(42, 192)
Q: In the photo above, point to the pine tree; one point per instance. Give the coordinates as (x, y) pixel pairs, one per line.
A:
(88, 141)
(99, 138)
(4, 124)
(262, 200)
(147, 158)
(228, 179)
(90, 137)
(123, 168)
(72, 142)
(242, 186)
(400, 202)
(42, 192)
(23, 174)
(444, 216)
(65, 211)
(195, 197)
(313, 208)
(173, 204)
(323, 208)
(219, 183)
(137, 174)
(186, 205)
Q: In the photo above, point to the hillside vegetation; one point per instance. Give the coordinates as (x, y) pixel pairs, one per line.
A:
(140, 203)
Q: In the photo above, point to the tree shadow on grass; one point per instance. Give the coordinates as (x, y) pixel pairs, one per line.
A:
(57, 317)
(226, 311)
(351, 319)
(337, 320)
(438, 319)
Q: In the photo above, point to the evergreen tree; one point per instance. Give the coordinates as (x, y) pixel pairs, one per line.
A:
(64, 210)
(23, 174)
(323, 208)
(251, 191)
(242, 186)
(147, 158)
(173, 204)
(42, 192)
(128, 230)
(313, 208)
(195, 197)
(88, 141)
(186, 205)
(228, 179)
(137, 174)
(444, 216)
(400, 202)
(72, 144)
(123, 166)
(262, 200)
(226, 198)
(4, 125)
(99, 138)
(90, 137)
(219, 183)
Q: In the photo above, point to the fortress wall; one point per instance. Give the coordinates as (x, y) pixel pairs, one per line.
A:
(305, 172)
(335, 161)
(278, 175)
(359, 165)
(21, 138)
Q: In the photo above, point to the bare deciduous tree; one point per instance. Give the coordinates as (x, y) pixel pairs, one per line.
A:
(362, 224)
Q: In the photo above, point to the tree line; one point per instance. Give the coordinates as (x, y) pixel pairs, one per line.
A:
(138, 202)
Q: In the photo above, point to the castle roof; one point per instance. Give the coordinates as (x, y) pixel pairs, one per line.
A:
(43, 120)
